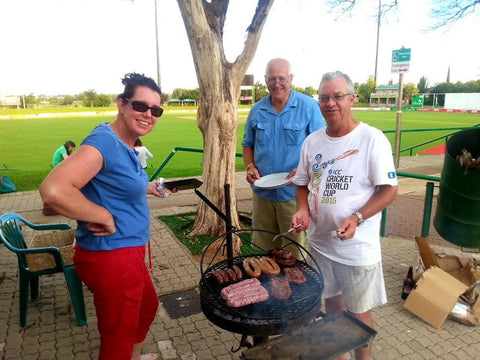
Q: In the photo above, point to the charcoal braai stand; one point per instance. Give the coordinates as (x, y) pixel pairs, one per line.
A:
(291, 318)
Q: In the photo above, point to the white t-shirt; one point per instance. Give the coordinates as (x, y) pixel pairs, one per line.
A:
(342, 174)
(143, 154)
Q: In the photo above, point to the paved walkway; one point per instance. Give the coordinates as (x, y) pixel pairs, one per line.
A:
(181, 331)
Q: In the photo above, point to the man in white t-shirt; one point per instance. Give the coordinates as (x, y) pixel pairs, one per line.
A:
(345, 178)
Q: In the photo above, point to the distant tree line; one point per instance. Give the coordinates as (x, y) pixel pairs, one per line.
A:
(435, 95)
(364, 90)
(472, 86)
(86, 99)
(91, 99)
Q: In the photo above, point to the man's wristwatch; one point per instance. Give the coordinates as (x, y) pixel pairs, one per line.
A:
(360, 217)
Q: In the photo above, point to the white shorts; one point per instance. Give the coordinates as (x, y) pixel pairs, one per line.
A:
(362, 287)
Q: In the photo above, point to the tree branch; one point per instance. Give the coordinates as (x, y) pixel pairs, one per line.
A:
(254, 30)
(345, 7)
(448, 12)
(260, 15)
(216, 12)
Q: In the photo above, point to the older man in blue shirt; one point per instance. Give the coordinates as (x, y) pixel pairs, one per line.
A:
(274, 133)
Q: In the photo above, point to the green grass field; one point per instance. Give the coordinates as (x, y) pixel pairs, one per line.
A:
(27, 144)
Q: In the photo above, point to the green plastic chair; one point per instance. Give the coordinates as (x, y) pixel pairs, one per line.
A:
(11, 236)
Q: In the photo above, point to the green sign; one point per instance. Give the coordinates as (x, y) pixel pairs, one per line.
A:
(417, 101)
(401, 55)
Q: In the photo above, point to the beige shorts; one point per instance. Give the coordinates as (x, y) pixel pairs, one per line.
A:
(362, 287)
(275, 217)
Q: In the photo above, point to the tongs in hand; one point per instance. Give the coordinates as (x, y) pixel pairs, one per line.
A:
(287, 232)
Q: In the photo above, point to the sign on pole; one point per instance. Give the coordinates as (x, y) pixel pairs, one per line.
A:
(401, 60)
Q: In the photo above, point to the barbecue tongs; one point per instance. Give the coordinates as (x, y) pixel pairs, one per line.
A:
(287, 232)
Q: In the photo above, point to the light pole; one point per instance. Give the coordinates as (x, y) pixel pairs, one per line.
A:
(398, 132)
(159, 81)
(378, 39)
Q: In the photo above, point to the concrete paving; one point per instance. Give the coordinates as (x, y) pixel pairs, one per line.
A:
(52, 333)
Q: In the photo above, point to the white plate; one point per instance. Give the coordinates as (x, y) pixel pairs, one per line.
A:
(273, 181)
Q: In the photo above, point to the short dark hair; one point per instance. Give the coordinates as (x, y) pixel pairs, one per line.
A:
(134, 80)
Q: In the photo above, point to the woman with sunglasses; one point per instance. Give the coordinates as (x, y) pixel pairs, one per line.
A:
(104, 187)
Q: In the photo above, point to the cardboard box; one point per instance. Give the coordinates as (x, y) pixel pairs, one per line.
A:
(440, 297)
(462, 268)
(435, 296)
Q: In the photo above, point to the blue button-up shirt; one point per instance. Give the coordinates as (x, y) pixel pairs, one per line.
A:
(276, 139)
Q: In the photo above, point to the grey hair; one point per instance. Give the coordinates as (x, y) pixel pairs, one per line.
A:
(330, 76)
(278, 59)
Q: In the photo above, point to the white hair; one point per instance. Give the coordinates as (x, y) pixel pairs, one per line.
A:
(329, 76)
(280, 60)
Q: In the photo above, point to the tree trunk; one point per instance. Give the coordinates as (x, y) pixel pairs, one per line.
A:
(219, 84)
(219, 134)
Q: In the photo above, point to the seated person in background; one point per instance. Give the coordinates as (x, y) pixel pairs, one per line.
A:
(63, 152)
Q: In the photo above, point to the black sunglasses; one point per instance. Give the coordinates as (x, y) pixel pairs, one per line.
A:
(140, 106)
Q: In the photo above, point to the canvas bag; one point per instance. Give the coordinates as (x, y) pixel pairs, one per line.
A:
(6, 185)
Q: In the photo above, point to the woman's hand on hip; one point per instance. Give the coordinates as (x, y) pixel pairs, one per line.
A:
(101, 229)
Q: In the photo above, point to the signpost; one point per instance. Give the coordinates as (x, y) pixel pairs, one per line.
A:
(401, 65)
(417, 101)
(401, 60)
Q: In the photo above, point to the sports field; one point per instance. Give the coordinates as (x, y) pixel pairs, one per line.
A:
(27, 144)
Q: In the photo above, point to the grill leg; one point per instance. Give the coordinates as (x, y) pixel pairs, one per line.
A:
(259, 340)
(243, 343)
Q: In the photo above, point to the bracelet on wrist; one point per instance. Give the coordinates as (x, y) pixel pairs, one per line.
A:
(250, 166)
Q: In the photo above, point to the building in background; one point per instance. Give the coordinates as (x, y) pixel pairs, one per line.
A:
(384, 96)
(247, 90)
(8, 102)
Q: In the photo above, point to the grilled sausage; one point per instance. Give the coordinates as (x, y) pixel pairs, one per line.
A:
(269, 266)
(252, 267)
(226, 278)
(238, 272)
(217, 274)
(233, 289)
(231, 274)
(251, 296)
(243, 293)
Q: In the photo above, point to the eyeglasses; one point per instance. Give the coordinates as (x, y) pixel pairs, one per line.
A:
(140, 106)
(336, 97)
(280, 79)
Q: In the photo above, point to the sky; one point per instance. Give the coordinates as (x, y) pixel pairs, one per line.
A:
(61, 47)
